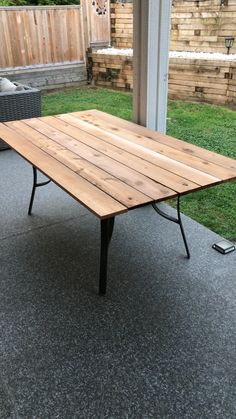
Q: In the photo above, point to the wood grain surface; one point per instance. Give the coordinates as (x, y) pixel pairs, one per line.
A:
(110, 165)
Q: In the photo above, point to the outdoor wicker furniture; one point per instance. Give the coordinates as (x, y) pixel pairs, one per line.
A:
(19, 104)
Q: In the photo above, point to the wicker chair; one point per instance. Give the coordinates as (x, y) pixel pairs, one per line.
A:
(20, 104)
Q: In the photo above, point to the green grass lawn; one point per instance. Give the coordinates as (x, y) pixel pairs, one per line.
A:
(208, 126)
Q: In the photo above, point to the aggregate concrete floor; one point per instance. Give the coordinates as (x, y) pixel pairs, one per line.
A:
(161, 344)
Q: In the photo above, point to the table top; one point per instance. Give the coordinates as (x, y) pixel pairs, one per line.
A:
(111, 165)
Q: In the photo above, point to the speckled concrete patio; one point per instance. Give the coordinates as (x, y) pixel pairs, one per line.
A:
(160, 344)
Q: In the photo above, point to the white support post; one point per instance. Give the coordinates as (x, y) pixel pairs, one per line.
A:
(140, 41)
(158, 63)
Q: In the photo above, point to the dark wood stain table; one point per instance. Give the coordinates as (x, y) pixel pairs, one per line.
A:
(111, 166)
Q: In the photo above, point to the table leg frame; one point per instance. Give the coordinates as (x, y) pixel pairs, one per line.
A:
(35, 185)
(107, 226)
(177, 220)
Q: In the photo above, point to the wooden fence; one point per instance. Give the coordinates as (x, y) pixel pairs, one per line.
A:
(49, 34)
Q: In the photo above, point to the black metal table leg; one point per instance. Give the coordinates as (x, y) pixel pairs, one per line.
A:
(107, 226)
(177, 220)
(33, 190)
(182, 228)
(35, 185)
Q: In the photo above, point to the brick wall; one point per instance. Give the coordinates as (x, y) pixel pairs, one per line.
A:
(112, 70)
(122, 24)
(195, 25)
(203, 25)
(197, 80)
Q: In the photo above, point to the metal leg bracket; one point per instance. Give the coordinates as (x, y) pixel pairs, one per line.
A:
(35, 185)
(177, 220)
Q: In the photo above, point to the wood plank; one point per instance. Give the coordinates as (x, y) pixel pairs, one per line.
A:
(53, 39)
(91, 197)
(111, 185)
(187, 148)
(32, 37)
(6, 53)
(192, 161)
(211, 79)
(205, 84)
(129, 176)
(20, 31)
(100, 157)
(140, 148)
(69, 133)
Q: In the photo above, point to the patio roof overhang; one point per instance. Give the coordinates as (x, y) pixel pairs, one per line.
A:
(151, 61)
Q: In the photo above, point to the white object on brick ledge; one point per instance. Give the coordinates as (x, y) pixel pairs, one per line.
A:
(115, 51)
(174, 54)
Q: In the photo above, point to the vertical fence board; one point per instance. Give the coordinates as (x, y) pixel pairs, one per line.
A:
(6, 41)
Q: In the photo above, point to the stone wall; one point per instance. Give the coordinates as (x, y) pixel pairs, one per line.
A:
(202, 25)
(197, 80)
(195, 25)
(200, 80)
(50, 76)
(112, 70)
(122, 24)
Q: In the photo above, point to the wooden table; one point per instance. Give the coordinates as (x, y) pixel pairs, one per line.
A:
(112, 166)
